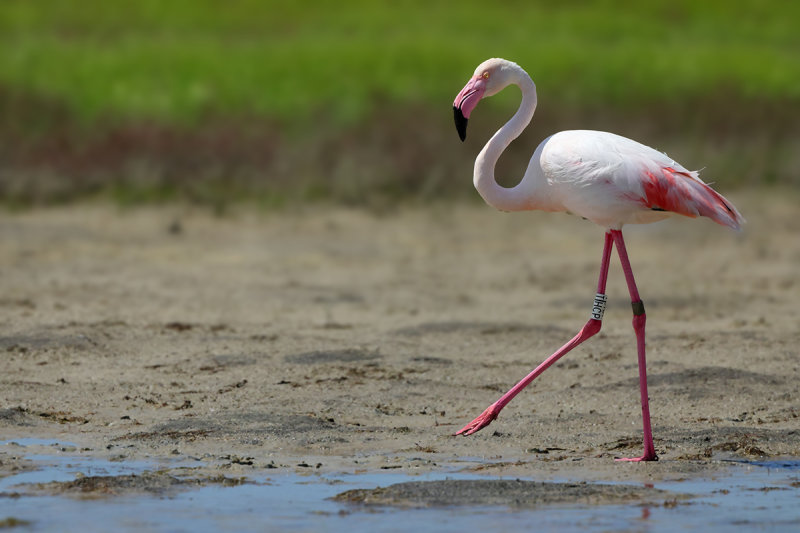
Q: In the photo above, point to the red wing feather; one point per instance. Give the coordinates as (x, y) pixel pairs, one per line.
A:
(681, 192)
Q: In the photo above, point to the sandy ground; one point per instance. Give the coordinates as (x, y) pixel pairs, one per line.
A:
(339, 340)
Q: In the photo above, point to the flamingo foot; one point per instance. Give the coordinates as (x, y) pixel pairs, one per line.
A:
(481, 422)
(648, 456)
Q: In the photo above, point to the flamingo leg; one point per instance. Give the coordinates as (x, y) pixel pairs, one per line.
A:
(589, 329)
(639, 319)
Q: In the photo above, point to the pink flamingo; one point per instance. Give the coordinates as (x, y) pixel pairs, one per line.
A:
(607, 179)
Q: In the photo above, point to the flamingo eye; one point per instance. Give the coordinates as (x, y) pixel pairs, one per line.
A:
(485, 75)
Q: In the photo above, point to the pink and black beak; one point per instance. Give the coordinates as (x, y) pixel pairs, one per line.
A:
(466, 101)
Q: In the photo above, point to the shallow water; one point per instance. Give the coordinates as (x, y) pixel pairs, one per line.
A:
(764, 496)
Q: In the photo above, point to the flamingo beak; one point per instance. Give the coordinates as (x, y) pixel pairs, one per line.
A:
(461, 123)
(465, 102)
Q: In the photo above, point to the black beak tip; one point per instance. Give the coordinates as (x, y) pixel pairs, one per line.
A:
(461, 123)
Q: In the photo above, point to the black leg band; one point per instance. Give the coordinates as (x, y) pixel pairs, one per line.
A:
(638, 308)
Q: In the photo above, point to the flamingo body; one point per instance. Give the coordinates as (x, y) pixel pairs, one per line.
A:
(612, 180)
(605, 178)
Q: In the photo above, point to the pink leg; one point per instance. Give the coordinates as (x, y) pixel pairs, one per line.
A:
(588, 330)
(639, 319)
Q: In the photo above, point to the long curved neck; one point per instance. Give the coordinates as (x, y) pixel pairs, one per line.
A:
(506, 199)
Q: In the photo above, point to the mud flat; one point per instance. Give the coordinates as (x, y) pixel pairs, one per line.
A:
(330, 340)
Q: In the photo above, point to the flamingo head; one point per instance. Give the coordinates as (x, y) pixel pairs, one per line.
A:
(490, 77)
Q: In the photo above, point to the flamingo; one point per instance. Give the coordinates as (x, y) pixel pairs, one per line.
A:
(602, 177)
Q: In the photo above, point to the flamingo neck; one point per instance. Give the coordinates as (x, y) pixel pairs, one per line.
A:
(523, 196)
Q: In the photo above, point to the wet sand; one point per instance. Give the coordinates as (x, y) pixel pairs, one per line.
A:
(335, 340)
(512, 493)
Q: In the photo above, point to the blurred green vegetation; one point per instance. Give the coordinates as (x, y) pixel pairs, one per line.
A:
(325, 90)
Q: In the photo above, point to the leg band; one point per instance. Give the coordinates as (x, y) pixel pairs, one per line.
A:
(638, 308)
(599, 306)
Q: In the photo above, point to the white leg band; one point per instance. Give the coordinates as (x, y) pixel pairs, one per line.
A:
(599, 306)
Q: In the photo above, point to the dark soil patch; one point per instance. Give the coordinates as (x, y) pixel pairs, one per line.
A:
(148, 482)
(511, 493)
(332, 356)
(245, 427)
(477, 328)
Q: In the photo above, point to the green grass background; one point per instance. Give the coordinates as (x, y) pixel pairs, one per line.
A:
(301, 75)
